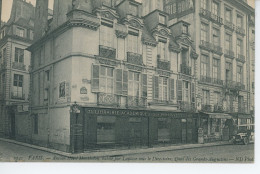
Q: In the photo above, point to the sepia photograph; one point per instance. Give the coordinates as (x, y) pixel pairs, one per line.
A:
(127, 81)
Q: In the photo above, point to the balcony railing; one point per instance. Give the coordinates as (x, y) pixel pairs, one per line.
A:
(107, 99)
(240, 30)
(216, 49)
(133, 101)
(217, 81)
(187, 106)
(230, 109)
(107, 52)
(205, 79)
(218, 108)
(19, 66)
(211, 47)
(229, 25)
(229, 53)
(205, 45)
(185, 69)
(208, 15)
(235, 85)
(162, 64)
(240, 86)
(206, 108)
(241, 58)
(17, 96)
(134, 58)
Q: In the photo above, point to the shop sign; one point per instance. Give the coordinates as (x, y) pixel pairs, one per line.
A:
(83, 90)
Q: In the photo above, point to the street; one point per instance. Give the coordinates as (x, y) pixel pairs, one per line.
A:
(219, 154)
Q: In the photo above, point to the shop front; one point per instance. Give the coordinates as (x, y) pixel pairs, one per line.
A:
(124, 128)
(244, 122)
(215, 126)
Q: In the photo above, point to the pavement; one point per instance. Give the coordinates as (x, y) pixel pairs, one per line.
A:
(117, 152)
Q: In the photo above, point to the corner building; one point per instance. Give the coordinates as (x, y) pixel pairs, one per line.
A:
(104, 76)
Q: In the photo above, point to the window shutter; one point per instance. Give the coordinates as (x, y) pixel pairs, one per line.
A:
(144, 85)
(179, 90)
(172, 89)
(156, 87)
(95, 78)
(119, 81)
(125, 83)
(192, 92)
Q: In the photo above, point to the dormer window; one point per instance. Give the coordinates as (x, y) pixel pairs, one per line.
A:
(162, 19)
(185, 29)
(133, 9)
(20, 32)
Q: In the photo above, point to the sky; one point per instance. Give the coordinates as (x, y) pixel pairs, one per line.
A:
(7, 5)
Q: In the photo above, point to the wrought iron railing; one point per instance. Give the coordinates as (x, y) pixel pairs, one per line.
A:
(241, 58)
(208, 15)
(206, 108)
(229, 53)
(218, 108)
(185, 69)
(17, 96)
(216, 49)
(230, 109)
(217, 81)
(107, 52)
(134, 58)
(205, 45)
(205, 79)
(19, 66)
(134, 101)
(230, 84)
(163, 64)
(108, 99)
(240, 30)
(187, 106)
(240, 86)
(229, 25)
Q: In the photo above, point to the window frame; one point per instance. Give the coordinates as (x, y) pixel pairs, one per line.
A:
(163, 94)
(105, 78)
(132, 87)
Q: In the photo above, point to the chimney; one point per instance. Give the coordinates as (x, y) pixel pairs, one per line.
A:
(41, 19)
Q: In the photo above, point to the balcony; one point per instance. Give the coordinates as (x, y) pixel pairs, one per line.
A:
(107, 52)
(185, 69)
(205, 79)
(108, 99)
(240, 31)
(187, 106)
(163, 64)
(242, 109)
(133, 101)
(231, 84)
(17, 96)
(241, 58)
(206, 108)
(217, 81)
(216, 49)
(218, 108)
(230, 109)
(240, 86)
(134, 58)
(229, 54)
(229, 25)
(205, 45)
(19, 66)
(210, 16)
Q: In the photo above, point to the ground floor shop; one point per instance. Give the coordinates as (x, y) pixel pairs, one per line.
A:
(97, 128)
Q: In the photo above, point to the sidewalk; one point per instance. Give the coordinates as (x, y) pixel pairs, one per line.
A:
(114, 152)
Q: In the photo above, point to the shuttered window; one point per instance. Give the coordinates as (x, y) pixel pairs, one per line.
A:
(95, 78)
(156, 87)
(119, 81)
(179, 90)
(125, 83)
(193, 92)
(134, 84)
(172, 89)
(144, 85)
(106, 79)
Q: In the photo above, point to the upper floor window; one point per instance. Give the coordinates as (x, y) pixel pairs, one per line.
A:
(20, 32)
(217, 99)
(239, 47)
(228, 41)
(239, 74)
(162, 19)
(19, 55)
(204, 32)
(216, 37)
(228, 71)
(106, 80)
(133, 9)
(163, 88)
(228, 15)
(185, 29)
(216, 68)
(204, 66)
(239, 21)
(132, 43)
(18, 85)
(205, 97)
(215, 8)
(162, 50)
(133, 84)
(204, 4)
(106, 36)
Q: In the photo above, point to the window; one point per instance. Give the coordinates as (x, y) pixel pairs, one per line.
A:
(162, 19)
(239, 74)
(228, 15)
(132, 43)
(133, 84)
(239, 47)
(133, 9)
(239, 21)
(163, 88)
(216, 37)
(204, 66)
(19, 55)
(228, 71)
(20, 32)
(2, 85)
(162, 50)
(35, 125)
(106, 80)
(185, 29)
(106, 36)
(228, 42)
(205, 97)
(184, 56)
(204, 4)
(215, 8)
(62, 90)
(106, 129)
(204, 32)
(216, 68)
(217, 100)
(186, 93)
(18, 86)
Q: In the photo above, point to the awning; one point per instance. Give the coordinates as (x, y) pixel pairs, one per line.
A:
(218, 115)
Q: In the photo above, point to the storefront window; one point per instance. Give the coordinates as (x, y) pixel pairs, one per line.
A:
(106, 129)
(163, 130)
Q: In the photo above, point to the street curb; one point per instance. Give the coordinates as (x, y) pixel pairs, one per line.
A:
(112, 153)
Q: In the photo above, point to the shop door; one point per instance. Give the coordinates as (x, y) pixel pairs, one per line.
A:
(12, 133)
(135, 129)
(77, 133)
(176, 131)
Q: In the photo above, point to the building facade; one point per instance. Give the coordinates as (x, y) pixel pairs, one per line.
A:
(16, 36)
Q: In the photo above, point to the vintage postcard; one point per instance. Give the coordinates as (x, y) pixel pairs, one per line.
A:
(143, 81)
